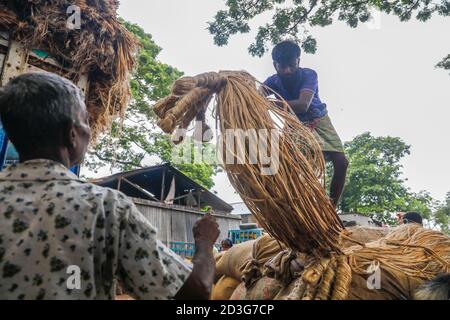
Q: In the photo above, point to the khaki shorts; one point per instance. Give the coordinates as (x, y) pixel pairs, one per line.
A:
(327, 136)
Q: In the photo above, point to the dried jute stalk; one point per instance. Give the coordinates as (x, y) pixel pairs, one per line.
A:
(288, 199)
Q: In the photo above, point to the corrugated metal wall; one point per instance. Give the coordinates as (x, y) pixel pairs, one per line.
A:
(175, 223)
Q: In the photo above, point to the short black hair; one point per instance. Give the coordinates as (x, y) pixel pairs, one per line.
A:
(37, 108)
(412, 217)
(286, 51)
(228, 242)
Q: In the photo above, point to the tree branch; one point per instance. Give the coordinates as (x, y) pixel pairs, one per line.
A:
(126, 163)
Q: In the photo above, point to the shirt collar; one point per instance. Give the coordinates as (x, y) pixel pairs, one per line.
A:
(38, 169)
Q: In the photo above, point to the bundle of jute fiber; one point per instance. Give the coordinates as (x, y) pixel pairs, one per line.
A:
(287, 264)
(390, 285)
(289, 199)
(100, 48)
(293, 208)
(406, 257)
(409, 249)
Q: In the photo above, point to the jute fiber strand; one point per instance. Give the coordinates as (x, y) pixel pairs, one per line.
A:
(410, 249)
(291, 203)
(102, 48)
(410, 254)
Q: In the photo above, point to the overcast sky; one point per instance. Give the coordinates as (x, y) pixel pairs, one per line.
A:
(382, 80)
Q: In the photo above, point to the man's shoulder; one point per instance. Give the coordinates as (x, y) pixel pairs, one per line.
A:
(309, 72)
(271, 80)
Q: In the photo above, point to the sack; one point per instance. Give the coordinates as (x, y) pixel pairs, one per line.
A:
(239, 293)
(285, 291)
(224, 288)
(264, 248)
(281, 266)
(391, 285)
(231, 261)
(264, 289)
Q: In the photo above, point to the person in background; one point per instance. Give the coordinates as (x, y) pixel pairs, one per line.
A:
(412, 217)
(53, 224)
(400, 217)
(299, 86)
(226, 244)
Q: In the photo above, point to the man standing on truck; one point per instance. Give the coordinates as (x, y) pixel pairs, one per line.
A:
(299, 87)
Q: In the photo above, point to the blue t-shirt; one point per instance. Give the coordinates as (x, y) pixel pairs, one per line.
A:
(304, 79)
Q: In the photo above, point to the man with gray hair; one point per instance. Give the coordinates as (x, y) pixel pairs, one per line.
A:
(54, 226)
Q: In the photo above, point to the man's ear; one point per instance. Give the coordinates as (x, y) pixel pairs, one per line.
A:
(70, 138)
(73, 136)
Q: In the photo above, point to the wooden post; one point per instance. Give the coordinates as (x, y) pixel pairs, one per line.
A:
(119, 183)
(163, 184)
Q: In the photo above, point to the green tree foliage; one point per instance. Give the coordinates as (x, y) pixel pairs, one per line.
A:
(374, 183)
(131, 144)
(375, 186)
(441, 216)
(294, 18)
(445, 63)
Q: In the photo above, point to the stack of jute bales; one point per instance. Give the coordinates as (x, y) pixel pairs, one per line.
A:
(280, 276)
(244, 263)
(262, 269)
(288, 199)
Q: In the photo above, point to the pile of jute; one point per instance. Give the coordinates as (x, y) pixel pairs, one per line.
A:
(291, 203)
(101, 48)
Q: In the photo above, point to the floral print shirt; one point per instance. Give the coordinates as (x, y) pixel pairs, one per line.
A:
(62, 238)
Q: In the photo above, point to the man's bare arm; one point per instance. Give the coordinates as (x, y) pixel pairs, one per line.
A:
(198, 284)
(301, 105)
